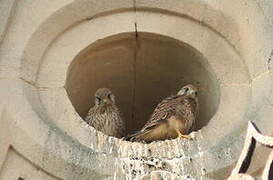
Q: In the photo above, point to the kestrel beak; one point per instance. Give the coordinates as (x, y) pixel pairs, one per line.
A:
(193, 92)
(106, 101)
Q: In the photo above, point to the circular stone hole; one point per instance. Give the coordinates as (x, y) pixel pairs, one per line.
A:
(141, 70)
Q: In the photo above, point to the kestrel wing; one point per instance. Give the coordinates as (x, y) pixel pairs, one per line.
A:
(162, 112)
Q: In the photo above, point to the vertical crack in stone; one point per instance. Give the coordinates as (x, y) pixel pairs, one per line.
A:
(134, 66)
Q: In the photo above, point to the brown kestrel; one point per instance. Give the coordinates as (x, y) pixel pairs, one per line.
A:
(172, 118)
(104, 115)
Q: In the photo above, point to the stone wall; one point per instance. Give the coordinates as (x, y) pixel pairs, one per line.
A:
(54, 54)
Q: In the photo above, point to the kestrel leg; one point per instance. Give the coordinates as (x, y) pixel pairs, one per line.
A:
(183, 135)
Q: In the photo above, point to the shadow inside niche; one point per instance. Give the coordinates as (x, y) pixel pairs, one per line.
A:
(140, 72)
(270, 176)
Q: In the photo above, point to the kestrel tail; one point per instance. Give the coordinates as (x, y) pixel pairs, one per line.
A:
(172, 118)
(104, 115)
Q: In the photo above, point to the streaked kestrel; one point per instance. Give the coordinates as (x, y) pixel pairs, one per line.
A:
(104, 115)
(172, 118)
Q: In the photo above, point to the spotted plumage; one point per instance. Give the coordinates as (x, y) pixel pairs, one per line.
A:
(172, 118)
(104, 115)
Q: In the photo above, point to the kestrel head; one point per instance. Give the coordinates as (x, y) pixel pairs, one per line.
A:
(104, 96)
(188, 90)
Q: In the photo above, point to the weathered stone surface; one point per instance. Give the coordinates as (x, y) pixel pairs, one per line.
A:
(6, 12)
(241, 177)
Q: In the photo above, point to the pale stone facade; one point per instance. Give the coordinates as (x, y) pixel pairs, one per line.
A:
(54, 54)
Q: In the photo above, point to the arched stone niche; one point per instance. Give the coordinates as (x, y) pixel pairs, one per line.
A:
(45, 121)
(211, 59)
(141, 70)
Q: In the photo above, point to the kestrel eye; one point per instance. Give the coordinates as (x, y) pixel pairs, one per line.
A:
(99, 99)
(109, 96)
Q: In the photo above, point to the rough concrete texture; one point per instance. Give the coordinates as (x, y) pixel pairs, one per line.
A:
(241, 177)
(47, 48)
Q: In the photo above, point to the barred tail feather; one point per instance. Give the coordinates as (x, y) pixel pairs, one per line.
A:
(135, 137)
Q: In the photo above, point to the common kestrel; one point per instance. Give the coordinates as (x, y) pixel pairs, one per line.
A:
(104, 115)
(172, 118)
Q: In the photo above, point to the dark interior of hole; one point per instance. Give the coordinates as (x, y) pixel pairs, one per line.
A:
(246, 163)
(141, 71)
(270, 174)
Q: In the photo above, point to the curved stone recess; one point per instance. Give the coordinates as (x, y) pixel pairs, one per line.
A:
(134, 68)
(41, 127)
